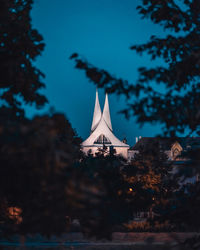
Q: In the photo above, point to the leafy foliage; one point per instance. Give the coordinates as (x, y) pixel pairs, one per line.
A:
(100, 194)
(36, 155)
(36, 161)
(178, 108)
(20, 44)
(151, 180)
(43, 176)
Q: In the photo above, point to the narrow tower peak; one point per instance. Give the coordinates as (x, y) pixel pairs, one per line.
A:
(101, 133)
(97, 113)
(106, 113)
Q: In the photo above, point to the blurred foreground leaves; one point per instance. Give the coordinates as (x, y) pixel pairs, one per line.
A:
(36, 159)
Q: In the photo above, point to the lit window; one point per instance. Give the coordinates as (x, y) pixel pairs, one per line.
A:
(102, 140)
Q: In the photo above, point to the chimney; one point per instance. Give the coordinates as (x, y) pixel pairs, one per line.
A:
(140, 137)
(136, 139)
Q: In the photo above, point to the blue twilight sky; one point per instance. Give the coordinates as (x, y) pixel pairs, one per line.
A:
(102, 31)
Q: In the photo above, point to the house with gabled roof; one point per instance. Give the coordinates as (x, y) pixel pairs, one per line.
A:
(173, 147)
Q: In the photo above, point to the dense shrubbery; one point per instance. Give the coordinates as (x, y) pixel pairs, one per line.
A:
(45, 181)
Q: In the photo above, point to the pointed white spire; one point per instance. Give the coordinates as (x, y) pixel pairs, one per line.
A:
(97, 113)
(101, 132)
(106, 113)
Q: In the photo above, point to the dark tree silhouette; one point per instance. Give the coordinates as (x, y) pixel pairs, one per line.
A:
(178, 108)
(36, 158)
(36, 155)
(151, 181)
(20, 44)
(100, 194)
(186, 197)
(43, 179)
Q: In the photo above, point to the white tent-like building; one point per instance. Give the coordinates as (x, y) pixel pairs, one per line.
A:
(101, 132)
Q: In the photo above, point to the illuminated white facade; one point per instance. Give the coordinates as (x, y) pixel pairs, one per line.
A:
(101, 132)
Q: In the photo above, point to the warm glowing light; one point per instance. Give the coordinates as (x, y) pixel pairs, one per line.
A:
(14, 213)
(119, 192)
(130, 189)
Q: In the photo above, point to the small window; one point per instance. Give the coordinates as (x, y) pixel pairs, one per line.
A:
(176, 152)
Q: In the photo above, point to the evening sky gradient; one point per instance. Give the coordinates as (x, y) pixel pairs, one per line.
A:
(102, 32)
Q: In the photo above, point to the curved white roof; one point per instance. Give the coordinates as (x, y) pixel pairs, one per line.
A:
(103, 128)
(101, 125)
(106, 113)
(97, 113)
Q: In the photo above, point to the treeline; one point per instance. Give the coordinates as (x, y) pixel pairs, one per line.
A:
(46, 181)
